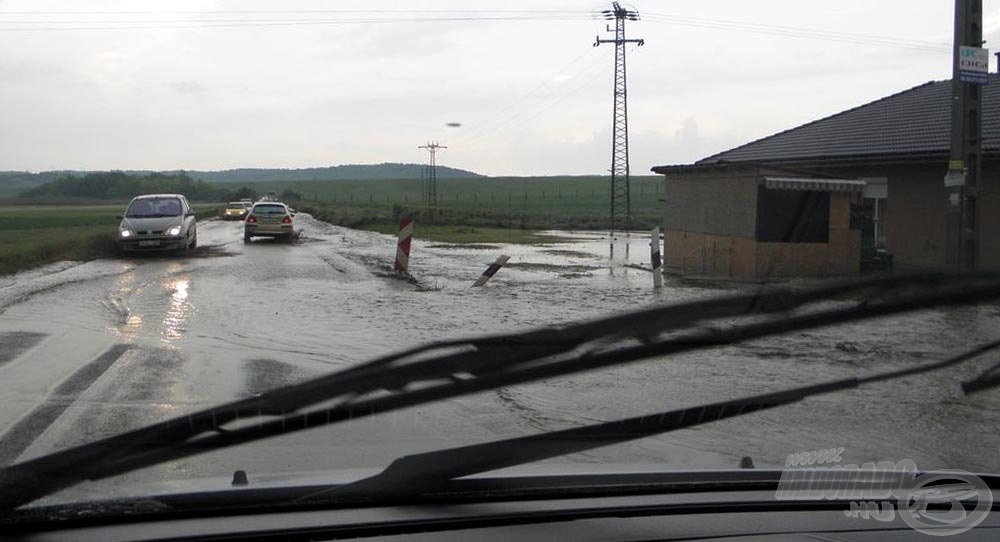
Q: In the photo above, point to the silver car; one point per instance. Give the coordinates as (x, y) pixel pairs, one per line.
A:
(158, 222)
(269, 219)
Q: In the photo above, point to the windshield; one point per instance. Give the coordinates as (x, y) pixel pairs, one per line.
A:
(154, 208)
(458, 172)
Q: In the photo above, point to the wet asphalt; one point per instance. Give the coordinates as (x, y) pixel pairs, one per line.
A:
(88, 351)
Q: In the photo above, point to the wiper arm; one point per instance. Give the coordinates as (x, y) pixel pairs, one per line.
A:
(416, 377)
(990, 378)
(432, 471)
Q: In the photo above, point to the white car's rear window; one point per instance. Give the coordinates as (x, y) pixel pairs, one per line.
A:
(269, 209)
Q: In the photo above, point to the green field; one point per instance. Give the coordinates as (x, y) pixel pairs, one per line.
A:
(480, 210)
(33, 235)
(514, 203)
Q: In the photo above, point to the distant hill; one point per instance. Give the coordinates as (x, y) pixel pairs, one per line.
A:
(12, 182)
(15, 182)
(352, 172)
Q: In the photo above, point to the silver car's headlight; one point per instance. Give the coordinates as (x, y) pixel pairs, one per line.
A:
(176, 230)
(125, 233)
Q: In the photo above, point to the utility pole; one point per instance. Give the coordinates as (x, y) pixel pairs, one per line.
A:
(621, 208)
(430, 185)
(970, 70)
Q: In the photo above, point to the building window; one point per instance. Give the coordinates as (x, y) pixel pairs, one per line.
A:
(873, 223)
(793, 216)
(874, 209)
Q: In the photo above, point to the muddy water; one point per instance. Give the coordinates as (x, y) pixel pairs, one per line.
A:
(232, 319)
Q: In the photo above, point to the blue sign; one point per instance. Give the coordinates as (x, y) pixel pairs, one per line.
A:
(973, 65)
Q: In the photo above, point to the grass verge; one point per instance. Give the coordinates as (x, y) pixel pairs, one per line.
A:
(35, 235)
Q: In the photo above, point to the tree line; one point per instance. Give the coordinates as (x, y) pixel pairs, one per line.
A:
(119, 185)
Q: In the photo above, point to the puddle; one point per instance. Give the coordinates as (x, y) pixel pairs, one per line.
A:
(555, 268)
(465, 246)
(568, 253)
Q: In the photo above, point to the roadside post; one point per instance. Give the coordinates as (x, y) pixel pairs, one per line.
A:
(403, 246)
(491, 270)
(654, 258)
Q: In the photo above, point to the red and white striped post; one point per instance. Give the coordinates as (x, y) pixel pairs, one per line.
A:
(403, 246)
(654, 257)
(491, 270)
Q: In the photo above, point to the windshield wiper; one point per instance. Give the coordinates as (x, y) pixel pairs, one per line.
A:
(461, 367)
(431, 472)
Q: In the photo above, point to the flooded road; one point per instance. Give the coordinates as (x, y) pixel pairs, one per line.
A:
(90, 350)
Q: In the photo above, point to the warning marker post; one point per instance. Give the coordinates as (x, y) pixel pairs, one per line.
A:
(403, 246)
(654, 258)
(491, 270)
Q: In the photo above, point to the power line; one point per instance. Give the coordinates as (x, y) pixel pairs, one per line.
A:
(208, 19)
(546, 103)
(795, 32)
(292, 20)
(285, 11)
(373, 16)
(502, 118)
(212, 24)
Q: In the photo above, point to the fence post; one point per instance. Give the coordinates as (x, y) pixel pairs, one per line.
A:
(654, 257)
(491, 270)
(403, 246)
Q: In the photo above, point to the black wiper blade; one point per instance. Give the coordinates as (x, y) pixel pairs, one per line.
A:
(432, 471)
(460, 367)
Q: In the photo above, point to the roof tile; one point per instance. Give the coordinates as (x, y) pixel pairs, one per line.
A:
(913, 121)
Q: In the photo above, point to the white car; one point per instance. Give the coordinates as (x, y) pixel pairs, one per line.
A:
(269, 219)
(158, 222)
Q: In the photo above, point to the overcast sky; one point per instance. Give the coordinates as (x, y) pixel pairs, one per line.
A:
(148, 84)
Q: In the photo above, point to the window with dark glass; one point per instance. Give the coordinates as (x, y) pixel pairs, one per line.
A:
(793, 216)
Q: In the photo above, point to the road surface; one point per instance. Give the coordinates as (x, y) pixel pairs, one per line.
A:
(90, 350)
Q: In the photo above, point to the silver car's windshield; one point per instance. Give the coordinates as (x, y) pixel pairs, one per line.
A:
(154, 207)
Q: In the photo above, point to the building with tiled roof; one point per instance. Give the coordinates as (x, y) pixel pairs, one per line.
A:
(793, 203)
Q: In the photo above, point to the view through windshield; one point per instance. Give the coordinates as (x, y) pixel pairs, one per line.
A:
(457, 171)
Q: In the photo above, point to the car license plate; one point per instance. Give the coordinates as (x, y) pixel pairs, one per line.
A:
(149, 243)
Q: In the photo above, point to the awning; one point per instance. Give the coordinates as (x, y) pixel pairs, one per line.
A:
(818, 185)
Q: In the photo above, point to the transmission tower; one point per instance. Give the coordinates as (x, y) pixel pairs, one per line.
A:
(430, 180)
(621, 207)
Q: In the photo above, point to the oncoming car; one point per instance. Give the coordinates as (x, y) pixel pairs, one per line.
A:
(269, 219)
(158, 222)
(235, 210)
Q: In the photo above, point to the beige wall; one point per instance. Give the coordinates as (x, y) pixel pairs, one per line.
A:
(689, 251)
(726, 204)
(916, 228)
(695, 253)
(840, 256)
(916, 220)
(989, 218)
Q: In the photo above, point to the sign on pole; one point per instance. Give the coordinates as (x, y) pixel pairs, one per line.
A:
(973, 65)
